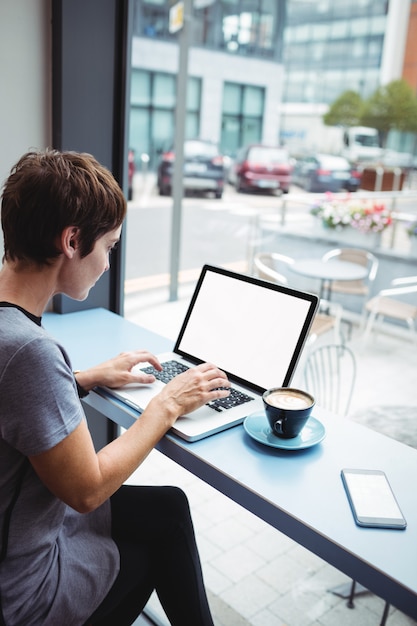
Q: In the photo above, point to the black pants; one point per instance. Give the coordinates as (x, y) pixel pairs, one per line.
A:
(153, 530)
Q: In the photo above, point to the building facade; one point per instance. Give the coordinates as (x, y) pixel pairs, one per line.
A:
(264, 70)
(330, 47)
(234, 67)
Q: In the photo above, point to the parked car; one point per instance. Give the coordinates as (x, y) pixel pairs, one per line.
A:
(325, 172)
(261, 168)
(203, 168)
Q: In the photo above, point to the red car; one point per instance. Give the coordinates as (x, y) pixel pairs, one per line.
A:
(262, 168)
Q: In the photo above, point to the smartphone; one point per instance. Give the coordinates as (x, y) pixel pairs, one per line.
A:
(371, 499)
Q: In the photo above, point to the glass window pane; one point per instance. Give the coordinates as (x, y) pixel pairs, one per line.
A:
(162, 128)
(161, 134)
(374, 52)
(339, 29)
(253, 101)
(140, 87)
(164, 90)
(193, 94)
(359, 26)
(302, 33)
(359, 48)
(139, 131)
(231, 98)
(378, 25)
(318, 50)
(192, 125)
(230, 140)
(252, 131)
(320, 31)
(267, 20)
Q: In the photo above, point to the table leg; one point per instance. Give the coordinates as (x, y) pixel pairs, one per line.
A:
(326, 286)
(349, 591)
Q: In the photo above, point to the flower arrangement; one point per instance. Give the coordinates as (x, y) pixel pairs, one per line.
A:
(333, 213)
(364, 215)
(370, 218)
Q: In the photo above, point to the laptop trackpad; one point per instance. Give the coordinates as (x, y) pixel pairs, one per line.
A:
(138, 396)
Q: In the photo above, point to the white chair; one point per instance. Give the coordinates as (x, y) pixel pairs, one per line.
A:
(270, 265)
(387, 303)
(328, 317)
(361, 257)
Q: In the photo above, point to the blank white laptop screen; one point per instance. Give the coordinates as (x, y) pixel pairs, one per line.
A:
(251, 329)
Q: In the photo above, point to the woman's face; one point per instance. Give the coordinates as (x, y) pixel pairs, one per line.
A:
(84, 273)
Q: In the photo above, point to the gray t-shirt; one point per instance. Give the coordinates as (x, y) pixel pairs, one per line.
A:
(59, 564)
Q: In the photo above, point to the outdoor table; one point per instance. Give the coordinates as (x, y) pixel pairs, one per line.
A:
(328, 271)
(298, 492)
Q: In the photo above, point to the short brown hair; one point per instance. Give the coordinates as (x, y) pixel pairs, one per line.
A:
(50, 190)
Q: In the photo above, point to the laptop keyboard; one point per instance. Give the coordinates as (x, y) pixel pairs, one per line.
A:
(170, 370)
(173, 368)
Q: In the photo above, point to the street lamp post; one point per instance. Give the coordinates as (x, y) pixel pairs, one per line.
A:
(181, 21)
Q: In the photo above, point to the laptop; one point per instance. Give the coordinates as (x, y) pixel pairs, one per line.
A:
(252, 329)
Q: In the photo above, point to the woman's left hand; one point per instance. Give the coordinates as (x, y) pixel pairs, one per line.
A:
(117, 371)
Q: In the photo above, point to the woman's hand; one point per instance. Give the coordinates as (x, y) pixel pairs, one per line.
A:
(84, 479)
(117, 371)
(192, 389)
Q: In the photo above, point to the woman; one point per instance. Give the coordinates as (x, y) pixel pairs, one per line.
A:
(78, 547)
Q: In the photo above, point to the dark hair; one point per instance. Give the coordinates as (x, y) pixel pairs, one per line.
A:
(50, 190)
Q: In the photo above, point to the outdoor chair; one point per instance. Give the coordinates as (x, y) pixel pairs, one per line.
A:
(269, 265)
(328, 317)
(361, 257)
(388, 304)
(330, 376)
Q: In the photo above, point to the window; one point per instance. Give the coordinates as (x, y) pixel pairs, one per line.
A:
(152, 115)
(243, 107)
(332, 39)
(151, 19)
(241, 26)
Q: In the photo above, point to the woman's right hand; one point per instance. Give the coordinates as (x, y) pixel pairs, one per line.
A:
(192, 389)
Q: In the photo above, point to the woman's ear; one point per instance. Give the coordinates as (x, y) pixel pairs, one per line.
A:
(69, 241)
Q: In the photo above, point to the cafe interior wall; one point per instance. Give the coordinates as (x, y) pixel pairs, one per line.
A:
(25, 68)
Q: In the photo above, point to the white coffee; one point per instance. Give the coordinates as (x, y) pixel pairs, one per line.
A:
(288, 400)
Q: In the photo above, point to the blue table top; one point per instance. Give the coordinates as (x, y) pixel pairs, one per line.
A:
(298, 492)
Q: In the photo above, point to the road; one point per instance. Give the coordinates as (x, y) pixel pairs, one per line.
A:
(213, 231)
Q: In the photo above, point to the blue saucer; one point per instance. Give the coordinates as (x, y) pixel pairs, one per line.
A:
(257, 427)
